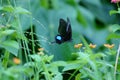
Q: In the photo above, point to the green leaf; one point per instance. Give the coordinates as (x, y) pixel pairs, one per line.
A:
(17, 10)
(71, 67)
(77, 77)
(48, 58)
(71, 2)
(16, 72)
(119, 10)
(20, 10)
(81, 18)
(114, 27)
(114, 12)
(7, 32)
(98, 55)
(35, 57)
(8, 8)
(11, 46)
(44, 3)
(58, 77)
(59, 63)
(113, 35)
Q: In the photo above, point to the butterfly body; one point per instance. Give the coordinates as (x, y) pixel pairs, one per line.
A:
(65, 31)
(59, 39)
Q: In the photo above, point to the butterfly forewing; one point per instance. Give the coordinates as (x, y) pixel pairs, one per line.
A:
(62, 27)
(65, 28)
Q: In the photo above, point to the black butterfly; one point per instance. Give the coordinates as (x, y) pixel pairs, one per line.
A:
(65, 31)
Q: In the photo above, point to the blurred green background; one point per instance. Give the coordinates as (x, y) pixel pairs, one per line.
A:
(89, 18)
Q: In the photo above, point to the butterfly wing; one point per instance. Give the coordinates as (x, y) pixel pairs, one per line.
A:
(62, 27)
(65, 29)
(68, 31)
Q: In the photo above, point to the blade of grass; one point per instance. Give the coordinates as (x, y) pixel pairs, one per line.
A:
(116, 62)
(5, 60)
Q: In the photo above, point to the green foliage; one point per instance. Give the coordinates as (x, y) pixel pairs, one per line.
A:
(11, 46)
(28, 27)
(7, 43)
(16, 72)
(16, 10)
(114, 32)
(114, 28)
(115, 11)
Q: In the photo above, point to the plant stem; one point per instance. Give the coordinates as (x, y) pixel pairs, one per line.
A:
(116, 62)
(118, 5)
(47, 76)
(5, 60)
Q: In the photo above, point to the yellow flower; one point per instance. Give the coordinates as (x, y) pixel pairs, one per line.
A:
(109, 46)
(16, 61)
(78, 45)
(40, 49)
(92, 45)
